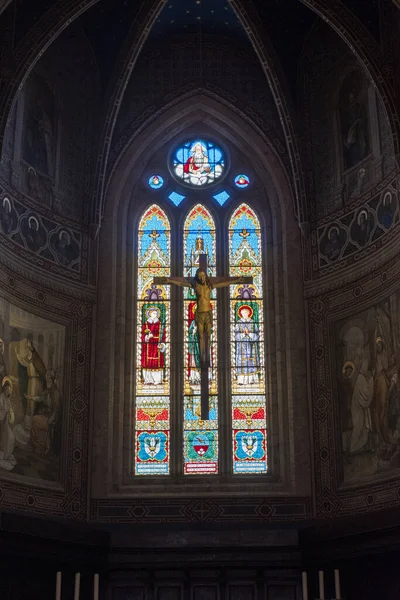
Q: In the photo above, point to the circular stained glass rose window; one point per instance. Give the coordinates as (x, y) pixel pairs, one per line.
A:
(156, 181)
(242, 181)
(198, 162)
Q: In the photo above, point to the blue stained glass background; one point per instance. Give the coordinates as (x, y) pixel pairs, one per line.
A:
(222, 197)
(199, 228)
(153, 224)
(244, 222)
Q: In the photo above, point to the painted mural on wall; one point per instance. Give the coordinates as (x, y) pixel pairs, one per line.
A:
(39, 235)
(353, 232)
(38, 149)
(368, 369)
(31, 402)
(354, 121)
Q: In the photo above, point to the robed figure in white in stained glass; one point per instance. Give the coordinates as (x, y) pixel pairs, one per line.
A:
(153, 347)
(247, 351)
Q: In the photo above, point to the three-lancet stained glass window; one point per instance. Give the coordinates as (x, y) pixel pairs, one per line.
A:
(244, 390)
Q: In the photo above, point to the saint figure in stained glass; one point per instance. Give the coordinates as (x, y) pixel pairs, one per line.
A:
(153, 344)
(198, 162)
(247, 351)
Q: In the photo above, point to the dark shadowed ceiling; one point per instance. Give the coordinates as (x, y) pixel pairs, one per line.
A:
(106, 25)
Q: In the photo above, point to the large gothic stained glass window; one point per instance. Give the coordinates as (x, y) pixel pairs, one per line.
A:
(200, 453)
(152, 407)
(247, 345)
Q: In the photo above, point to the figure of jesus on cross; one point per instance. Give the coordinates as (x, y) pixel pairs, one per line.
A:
(202, 285)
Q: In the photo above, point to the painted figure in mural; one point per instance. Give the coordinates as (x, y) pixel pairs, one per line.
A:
(3, 367)
(33, 366)
(347, 387)
(66, 250)
(333, 246)
(360, 410)
(7, 440)
(38, 148)
(8, 218)
(153, 347)
(34, 234)
(355, 130)
(46, 422)
(387, 210)
(362, 232)
(247, 351)
(381, 390)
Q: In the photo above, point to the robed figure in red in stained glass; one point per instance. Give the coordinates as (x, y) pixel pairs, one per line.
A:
(153, 348)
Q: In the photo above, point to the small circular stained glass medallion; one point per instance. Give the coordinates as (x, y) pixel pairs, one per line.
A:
(198, 162)
(242, 181)
(156, 181)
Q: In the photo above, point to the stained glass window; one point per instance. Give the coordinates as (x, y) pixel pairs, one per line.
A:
(152, 404)
(242, 181)
(221, 197)
(156, 182)
(176, 198)
(200, 454)
(249, 433)
(198, 162)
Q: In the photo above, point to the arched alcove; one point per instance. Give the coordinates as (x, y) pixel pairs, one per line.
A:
(127, 197)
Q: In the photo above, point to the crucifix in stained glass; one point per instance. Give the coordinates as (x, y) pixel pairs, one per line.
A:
(202, 285)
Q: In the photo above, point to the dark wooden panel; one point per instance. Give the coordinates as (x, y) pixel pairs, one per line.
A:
(205, 592)
(134, 592)
(169, 592)
(239, 591)
(281, 592)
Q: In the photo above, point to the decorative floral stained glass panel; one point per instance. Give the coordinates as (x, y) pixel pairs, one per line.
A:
(200, 453)
(198, 162)
(249, 430)
(152, 402)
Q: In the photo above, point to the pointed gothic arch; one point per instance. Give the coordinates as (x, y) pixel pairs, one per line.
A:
(126, 198)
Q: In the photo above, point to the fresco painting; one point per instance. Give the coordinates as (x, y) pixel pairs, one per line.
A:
(31, 402)
(368, 367)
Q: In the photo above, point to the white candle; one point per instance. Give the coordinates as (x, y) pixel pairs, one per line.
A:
(77, 585)
(321, 585)
(305, 589)
(58, 585)
(337, 584)
(96, 587)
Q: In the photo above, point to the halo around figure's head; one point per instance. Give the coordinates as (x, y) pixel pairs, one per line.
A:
(379, 339)
(348, 364)
(151, 309)
(332, 230)
(245, 307)
(6, 380)
(362, 213)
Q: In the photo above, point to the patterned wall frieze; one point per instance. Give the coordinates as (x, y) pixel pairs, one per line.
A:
(334, 495)
(348, 243)
(64, 494)
(224, 510)
(47, 241)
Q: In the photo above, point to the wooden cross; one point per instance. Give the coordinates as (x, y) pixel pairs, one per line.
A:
(202, 285)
